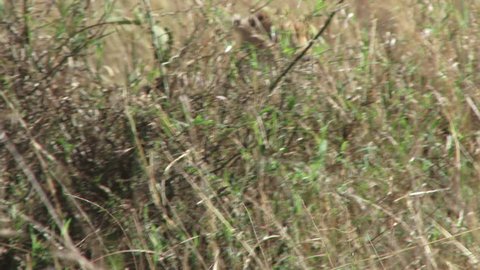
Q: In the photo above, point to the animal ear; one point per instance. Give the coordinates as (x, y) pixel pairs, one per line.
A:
(252, 23)
(236, 20)
(260, 17)
(265, 22)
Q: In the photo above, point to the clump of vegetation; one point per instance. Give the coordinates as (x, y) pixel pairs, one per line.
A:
(150, 137)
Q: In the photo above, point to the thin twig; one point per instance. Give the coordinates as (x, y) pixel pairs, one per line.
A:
(304, 51)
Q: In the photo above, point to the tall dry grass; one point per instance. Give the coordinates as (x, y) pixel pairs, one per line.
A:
(142, 135)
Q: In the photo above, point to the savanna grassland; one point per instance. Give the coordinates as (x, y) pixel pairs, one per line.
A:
(152, 134)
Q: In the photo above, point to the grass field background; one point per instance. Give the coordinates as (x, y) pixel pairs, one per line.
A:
(143, 135)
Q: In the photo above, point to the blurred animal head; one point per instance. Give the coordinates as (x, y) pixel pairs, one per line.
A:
(258, 30)
(255, 29)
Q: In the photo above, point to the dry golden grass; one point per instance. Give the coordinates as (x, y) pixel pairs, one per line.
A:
(144, 135)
